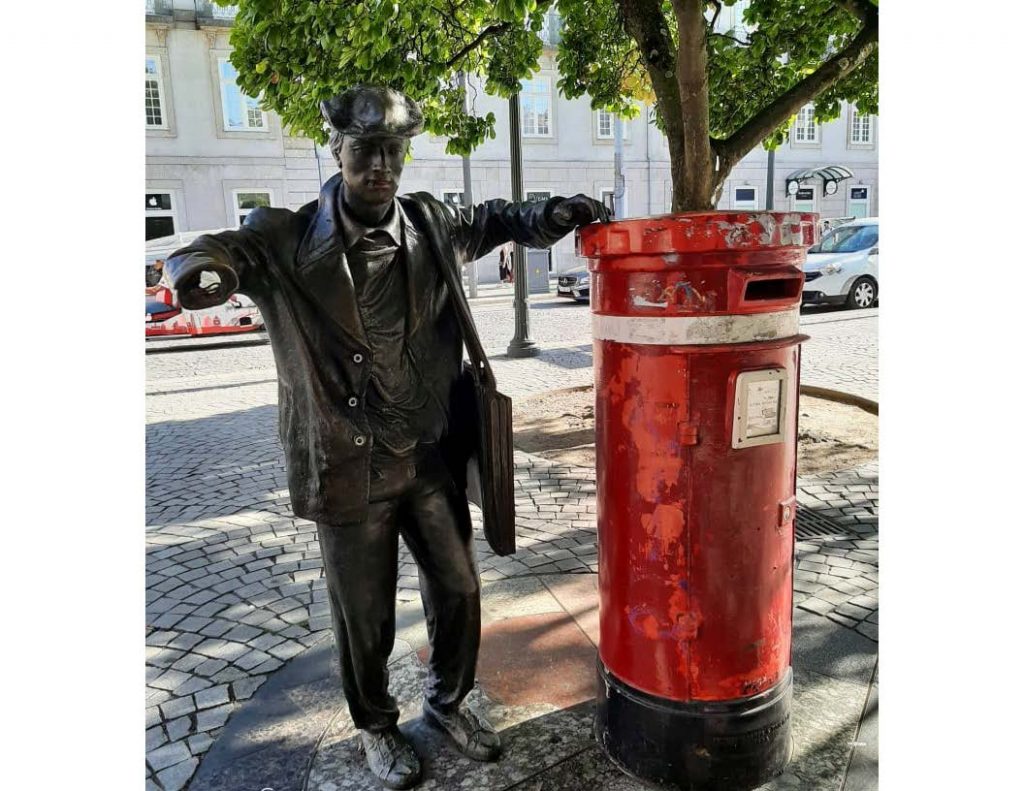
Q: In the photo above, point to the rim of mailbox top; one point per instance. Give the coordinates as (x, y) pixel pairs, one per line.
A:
(699, 232)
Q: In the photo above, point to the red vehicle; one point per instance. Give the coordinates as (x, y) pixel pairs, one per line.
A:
(164, 316)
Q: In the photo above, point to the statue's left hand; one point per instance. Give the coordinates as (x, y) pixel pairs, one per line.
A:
(579, 210)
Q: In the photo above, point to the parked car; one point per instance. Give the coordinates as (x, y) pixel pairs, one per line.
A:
(575, 284)
(842, 269)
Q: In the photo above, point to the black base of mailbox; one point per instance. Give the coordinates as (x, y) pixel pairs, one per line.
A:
(733, 745)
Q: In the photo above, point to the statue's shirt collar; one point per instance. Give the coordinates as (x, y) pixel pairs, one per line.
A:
(353, 230)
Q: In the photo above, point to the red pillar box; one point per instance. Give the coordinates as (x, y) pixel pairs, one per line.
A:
(696, 367)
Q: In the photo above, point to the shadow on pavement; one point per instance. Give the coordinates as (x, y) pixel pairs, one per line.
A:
(297, 727)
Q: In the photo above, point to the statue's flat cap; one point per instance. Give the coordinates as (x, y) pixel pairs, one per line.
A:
(367, 110)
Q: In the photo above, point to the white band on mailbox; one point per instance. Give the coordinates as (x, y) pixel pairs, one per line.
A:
(697, 330)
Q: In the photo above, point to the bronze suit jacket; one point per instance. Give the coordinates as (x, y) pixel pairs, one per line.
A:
(292, 265)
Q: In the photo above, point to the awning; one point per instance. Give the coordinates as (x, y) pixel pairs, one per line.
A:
(830, 174)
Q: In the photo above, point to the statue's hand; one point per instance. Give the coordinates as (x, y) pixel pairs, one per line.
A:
(204, 289)
(579, 210)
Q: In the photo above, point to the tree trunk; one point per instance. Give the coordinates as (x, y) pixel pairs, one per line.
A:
(694, 187)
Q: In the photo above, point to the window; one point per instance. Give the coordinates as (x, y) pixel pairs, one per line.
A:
(160, 217)
(805, 130)
(858, 200)
(744, 198)
(861, 128)
(848, 239)
(805, 199)
(248, 199)
(606, 126)
(241, 113)
(156, 117)
(618, 209)
(535, 107)
(454, 198)
(224, 11)
(536, 196)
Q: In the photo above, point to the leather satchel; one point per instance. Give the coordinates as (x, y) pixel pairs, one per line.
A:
(487, 416)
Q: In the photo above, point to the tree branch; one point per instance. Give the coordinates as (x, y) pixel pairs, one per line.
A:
(864, 10)
(646, 25)
(487, 32)
(733, 38)
(785, 106)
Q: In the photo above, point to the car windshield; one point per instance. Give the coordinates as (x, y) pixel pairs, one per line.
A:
(847, 239)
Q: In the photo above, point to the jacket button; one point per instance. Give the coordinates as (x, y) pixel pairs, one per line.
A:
(357, 357)
(360, 440)
(353, 401)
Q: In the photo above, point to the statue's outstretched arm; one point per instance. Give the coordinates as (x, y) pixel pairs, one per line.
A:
(215, 266)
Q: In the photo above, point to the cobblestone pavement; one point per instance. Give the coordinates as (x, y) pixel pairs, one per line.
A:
(234, 582)
(842, 353)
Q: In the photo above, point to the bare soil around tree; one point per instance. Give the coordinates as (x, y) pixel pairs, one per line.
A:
(560, 426)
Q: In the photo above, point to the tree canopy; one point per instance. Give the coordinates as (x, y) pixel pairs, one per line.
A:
(716, 93)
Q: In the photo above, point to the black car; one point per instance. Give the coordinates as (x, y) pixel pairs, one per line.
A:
(575, 284)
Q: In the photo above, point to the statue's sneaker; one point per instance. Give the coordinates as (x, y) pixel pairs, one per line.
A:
(391, 758)
(472, 734)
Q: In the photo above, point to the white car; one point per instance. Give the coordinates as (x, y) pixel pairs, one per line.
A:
(843, 267)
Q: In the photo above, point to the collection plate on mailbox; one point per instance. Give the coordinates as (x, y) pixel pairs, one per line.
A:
(759, 408)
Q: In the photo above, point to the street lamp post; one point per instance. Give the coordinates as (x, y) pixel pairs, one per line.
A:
(520, 345)
(467, 188)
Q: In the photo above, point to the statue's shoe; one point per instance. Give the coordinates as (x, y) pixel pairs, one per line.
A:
(473, 735)
(391, 758)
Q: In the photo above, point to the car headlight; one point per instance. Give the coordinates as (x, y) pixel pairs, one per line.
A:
(583, 281)
(831, 269)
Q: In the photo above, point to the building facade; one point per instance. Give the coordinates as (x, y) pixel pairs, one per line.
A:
(212, 155)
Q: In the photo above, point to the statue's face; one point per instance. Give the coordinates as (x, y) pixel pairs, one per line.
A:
(372, 167)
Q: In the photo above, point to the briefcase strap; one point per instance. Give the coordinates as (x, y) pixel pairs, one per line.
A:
(481, 366)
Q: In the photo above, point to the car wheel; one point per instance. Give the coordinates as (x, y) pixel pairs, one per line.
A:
(863, 293)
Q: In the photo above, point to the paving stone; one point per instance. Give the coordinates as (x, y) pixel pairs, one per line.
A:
(194, 684)
(229, 674)
(251, 659)
(868, 630)
(244, 687)
(286, 650)
(171, 680)
(214, 696)
(199, 743)
(167, 755)
(296, 616)
(185, 641)
(179, 728)
(155, 736)
(269, 666)
(188, 662)
(176, 777)
(242, 633)
(853, 611)
(213, 718)
(217, 628)
(211, 667)
(816, 605)
(177, 707)
(222, 649)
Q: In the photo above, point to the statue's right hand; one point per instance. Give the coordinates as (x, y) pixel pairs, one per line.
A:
(205, 284)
